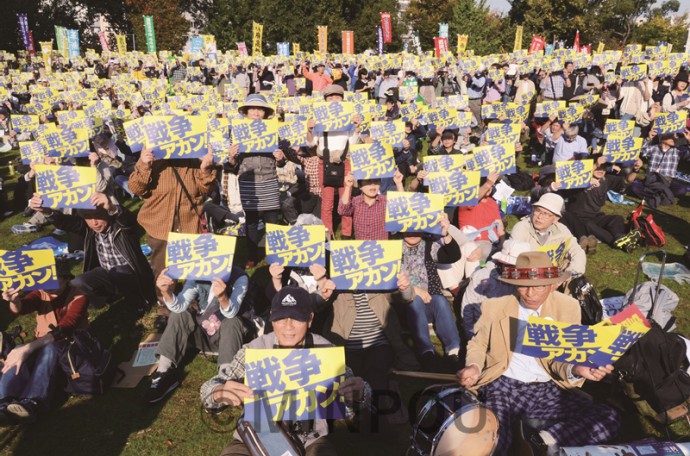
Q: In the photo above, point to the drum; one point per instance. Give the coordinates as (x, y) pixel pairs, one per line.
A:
(452, 423)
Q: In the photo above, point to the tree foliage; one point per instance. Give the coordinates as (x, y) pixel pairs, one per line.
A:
(296, 21)
(487, 31)
(423, 16)
(168, 23)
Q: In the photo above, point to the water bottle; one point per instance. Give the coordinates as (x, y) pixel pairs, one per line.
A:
(11, 169)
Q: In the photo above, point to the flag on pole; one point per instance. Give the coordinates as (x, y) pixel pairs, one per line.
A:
(323, 38)
(576, 44)
(518, 39)
(386, 27)
(150, 34)
(348, 42)
(257, 38)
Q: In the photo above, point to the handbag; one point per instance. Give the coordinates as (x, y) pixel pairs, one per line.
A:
(89, 367)
(333, 173)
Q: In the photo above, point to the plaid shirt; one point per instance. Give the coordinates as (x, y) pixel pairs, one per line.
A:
(108, 255)
(664, 163)
(552, 86)
(311, 169)
(369, 222)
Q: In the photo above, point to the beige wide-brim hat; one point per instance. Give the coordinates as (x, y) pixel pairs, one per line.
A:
(256, 100)
(533, 269)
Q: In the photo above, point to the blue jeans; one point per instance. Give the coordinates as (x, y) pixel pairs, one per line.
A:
(438, 312)
(36, 378)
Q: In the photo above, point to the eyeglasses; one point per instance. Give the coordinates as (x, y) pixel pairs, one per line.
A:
(543, 213)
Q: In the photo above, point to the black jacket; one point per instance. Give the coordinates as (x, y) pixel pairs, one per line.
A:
(126, 242)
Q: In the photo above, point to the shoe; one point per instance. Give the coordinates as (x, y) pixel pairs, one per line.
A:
(59, 232)
(592, 243)
(6, 419)
(160, 323)
(452, 364)
(162, 384)
(629, 242)
(429, 362)
(24, 410)
(26, 228)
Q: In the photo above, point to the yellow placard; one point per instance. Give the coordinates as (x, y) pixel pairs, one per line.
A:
(26, 270)
(365, 265)
(255, 136)
(414, 212)
(372, 161)
(66, 186)
(295, 246)
(458, 187)
(574, 173)
(199, 256)
(293, 384)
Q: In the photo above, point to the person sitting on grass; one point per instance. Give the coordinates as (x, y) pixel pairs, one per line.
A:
(421, 255)
(31, 373)
(114, 264)
(291, 315)
(368, 210)
(583, 214)
(214, 325)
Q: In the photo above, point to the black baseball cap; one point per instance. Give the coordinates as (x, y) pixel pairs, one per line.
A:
(291, 302)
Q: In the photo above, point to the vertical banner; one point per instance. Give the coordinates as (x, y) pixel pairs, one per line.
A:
(323, 38)
(537, 44)
(59, 38)
(440, 46)
(387, 27)
(104, 42)
(462, 44)
(32, 46)
(518, 39)
(257, 35)
(379, 39)
(600, 47)
(576, 43)
(150, 33)
(295, 48)
(242, 48)
(46, 51)
(443, 30)
(73, 44)
(284, 49)
(348, 42)
(27, 39)
(121, 44)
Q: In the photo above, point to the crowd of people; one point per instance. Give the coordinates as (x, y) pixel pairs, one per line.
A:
(466, 282)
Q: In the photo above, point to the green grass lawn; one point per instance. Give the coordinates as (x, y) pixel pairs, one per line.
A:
(120, 423)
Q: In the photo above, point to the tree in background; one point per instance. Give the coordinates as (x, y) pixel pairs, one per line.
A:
(169, 24)
(423, 16)
(486, 30)
(295, 21)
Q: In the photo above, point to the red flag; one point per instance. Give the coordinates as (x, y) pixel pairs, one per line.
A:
(537, 44)
(440, 46)
(576, 44)
(587, 49)
(386, 27)
(104, 41)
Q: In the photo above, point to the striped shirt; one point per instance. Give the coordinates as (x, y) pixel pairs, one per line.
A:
(259, 196)
(366, 330)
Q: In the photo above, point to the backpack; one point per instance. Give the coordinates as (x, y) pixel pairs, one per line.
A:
(90, 368)
(666, 302)
(652, 234)
(654, 369)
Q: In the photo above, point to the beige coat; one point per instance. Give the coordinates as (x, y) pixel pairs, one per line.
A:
(492, 347)
(574, 258)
